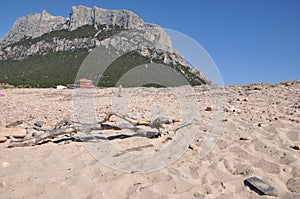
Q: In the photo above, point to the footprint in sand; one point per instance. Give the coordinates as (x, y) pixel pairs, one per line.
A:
(293, 136)
(267, 166)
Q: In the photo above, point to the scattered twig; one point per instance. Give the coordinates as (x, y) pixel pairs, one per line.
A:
(139, 148)
(128, 119)
(14, 124)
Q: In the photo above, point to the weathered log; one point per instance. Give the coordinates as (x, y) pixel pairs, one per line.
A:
(66, 126)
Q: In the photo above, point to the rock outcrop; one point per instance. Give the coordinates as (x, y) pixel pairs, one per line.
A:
(86, 28)
(138, 35)
(33, 25)
(81, 15)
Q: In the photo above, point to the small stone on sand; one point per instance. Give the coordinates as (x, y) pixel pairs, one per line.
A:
(3, 139)
(208, 108)
(2, 184)
(260, 187)
(19, 135)
(244, 139)
(5, 164)
(289, 84)
(15, 132)
(295, 147)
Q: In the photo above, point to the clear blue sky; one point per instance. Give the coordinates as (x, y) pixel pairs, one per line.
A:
(249, 40)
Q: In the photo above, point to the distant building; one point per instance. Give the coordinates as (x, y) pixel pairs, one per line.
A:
(61, 87)
(84, 83)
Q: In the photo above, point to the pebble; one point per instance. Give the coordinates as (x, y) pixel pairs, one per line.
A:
(244, 139)
(5, 164)
(193, 147)
(208, 108)
(198, 195)
(2, 184)
(260, 187)
(3, 139)
(15, 132)
(4, 132)
(19, 136)
(295, 147)
(231, 109)
(19, 133)
(289, 84)
(293, 185)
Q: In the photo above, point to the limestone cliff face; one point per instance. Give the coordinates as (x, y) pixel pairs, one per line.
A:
(81, 15)
(33, 25)
(41, 33)
(138, 34)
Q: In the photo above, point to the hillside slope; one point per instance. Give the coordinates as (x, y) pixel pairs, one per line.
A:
(42, 50)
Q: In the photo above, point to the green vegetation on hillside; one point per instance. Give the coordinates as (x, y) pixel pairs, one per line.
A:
(119, 67)
(43, 71)
(130, 60)
(86, 31)
(61, 67)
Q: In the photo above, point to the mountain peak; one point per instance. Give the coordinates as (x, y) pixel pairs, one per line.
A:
(37, 24)
(82, 15)
(86, 28)
(33, 25)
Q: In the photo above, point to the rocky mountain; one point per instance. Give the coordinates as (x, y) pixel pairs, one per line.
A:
(33, 41)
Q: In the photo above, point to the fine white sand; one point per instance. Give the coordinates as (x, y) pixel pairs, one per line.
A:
(260, 123)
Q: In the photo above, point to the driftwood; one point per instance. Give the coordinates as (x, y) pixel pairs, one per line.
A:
(35, 140)
(66, 126)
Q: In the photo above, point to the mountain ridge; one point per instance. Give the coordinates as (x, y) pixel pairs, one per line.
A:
(37, 24)
(86, 28)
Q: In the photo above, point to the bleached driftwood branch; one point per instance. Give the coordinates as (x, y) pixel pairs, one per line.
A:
(67, 126)
(35, 140)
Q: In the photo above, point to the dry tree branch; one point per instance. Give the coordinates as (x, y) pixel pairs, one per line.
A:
(66, 126)
(128, 119)
(35, 140)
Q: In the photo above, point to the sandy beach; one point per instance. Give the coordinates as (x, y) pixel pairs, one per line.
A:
(260, 136)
